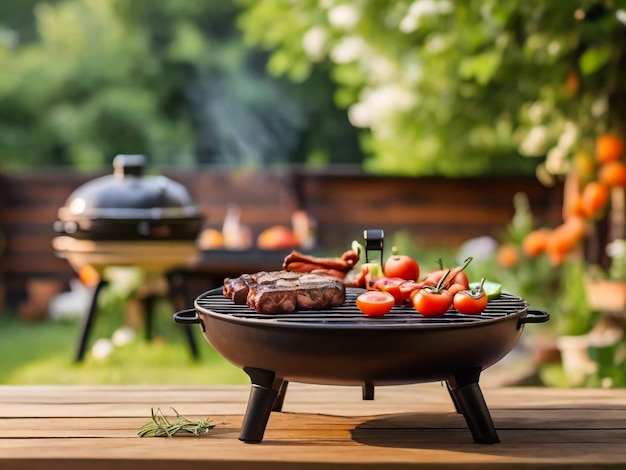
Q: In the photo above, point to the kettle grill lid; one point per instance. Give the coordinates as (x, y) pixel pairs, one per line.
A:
(129, 194)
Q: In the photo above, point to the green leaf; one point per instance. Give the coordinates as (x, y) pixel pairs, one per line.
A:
(481, 67)
(594, 59)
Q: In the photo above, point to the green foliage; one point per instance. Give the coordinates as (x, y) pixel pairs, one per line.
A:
(88, 79)
(41, 353)
(457, 88)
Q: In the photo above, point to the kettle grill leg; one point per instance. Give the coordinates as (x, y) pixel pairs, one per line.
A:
(88, 321)
(263, 399)
(468, 398)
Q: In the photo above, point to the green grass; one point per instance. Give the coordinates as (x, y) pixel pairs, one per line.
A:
(42, 353)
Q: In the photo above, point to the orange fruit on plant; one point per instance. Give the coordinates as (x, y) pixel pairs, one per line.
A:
(576, 227)
(585, 167)
(508, 255)
(609, 148)
(594, 198)
(562, 240)
(572, 82)
(574, 207)
(535, 242)
(612, 174)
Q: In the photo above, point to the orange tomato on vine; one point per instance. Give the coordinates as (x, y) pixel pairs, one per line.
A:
(609, 148)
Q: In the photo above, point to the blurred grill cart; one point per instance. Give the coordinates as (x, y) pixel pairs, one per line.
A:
(128, 219)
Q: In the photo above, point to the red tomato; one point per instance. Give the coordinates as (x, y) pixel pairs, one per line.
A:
(391, 285)
(402, 266)
(456, 287)
(470, 302)
(433, 277)
(452, 276)
(375, 303)
(408, 287)
(431, 302)
(461, 278)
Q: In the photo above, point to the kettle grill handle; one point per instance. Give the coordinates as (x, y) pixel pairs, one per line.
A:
(534, 316)
(188, 317)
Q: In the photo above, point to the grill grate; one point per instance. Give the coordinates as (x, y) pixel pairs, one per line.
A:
(214, 303)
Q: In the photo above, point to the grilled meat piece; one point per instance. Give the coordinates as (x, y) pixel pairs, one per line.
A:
(284, 291)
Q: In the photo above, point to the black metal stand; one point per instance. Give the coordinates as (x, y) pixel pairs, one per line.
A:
(267, 394)
(88, 322)
(263, 399)
(148, 313)
(469, 400)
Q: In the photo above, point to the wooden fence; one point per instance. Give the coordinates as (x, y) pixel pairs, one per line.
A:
(436, 211)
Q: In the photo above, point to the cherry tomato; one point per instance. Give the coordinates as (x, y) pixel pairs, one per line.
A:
(402, 266)
(594, 198)
(433, 277)
(609, 148)
(471, 302)
(612, 174)
(375, 303)
(447, 277)
(391, 285)
(408, 287)
(461, 278)
(432, 302)
(456, 287)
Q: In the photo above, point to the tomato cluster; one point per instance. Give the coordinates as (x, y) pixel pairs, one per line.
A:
(587, 199)
(398, 283)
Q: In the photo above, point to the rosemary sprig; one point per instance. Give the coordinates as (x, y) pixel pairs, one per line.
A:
(160, 426)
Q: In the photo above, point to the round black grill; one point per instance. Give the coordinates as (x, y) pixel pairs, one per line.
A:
(348, 316)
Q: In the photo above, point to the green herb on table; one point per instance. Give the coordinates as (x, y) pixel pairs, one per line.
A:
(161, 426)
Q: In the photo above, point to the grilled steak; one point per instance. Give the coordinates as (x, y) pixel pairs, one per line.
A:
(284, 291)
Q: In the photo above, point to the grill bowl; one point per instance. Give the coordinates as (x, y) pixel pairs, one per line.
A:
(341, 346)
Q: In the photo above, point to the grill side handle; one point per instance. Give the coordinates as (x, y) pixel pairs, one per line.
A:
(533, 316)
(188, 316)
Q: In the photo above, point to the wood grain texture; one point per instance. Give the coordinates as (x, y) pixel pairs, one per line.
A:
(406, 426)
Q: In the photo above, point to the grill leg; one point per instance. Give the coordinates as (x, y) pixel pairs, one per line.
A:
(148, 312)
(468, 398)
(367, 391)
(263, 393)
(180, 300)
(88, 322)
(280, 398)
(456, 405)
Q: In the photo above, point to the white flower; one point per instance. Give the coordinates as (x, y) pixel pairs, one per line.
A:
(377, 104)
(314, 43)
(123, 336)
(344, 16)
(348, 50)
(556, 161)
(535, 141)
(102, 348)
(420, 9)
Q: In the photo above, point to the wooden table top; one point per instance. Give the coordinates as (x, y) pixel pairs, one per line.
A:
(85, 427)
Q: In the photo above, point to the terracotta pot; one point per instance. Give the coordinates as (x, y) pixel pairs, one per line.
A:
(606, 295)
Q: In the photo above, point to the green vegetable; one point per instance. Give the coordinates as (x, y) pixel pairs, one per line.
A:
(491, 288)
(160, 426)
